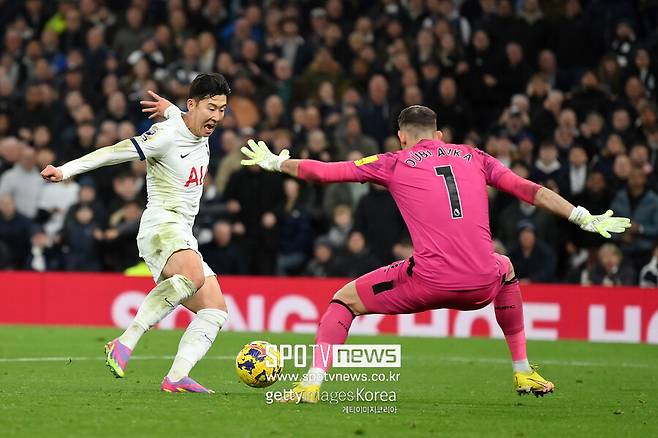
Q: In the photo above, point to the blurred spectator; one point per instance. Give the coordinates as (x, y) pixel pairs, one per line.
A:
(252, 195)
(535, 28)
(54, 201)
(649, 273)
(532, 259)
(610, 269)
(80, 237)
(624, 43)
(518, 212)
(375, 112)
(119, 249)
(24, 183)
(10, 153)
(575, 178)
(516, 71)
(645, 71)
(592, 137)
(547, 166)
(589, 97)
(222, 254)
(295, 229)
(45, 255)
(230, 162)
(130, 37)
(577, 44)
(356, 259)
(452, 109)
(341, 226)
(378, 219)
(641, 205)
(15, 232)
(350, 137)
(323, 263)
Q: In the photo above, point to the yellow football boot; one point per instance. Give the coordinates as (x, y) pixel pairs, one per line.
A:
(301, 393)
(526, 383)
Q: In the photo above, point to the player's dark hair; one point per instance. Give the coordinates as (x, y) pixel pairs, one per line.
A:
(208, 85)
(417, 117)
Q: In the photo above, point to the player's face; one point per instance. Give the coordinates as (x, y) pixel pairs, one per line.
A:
(207, 113)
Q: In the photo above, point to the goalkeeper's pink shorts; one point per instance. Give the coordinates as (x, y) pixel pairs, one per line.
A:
(393, 289)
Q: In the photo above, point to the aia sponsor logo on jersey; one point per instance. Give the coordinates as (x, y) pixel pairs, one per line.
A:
(196, 177)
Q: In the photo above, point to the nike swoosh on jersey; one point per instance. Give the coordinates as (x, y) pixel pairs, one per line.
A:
(183, 156)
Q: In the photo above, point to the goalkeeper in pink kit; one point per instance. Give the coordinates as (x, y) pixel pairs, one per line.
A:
(441, 191)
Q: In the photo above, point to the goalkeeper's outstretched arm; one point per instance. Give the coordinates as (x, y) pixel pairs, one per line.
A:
(258, 154)
(604, 224)
(117, 153)
(528, 191)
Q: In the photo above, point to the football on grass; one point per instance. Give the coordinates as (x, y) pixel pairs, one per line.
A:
(254, 367)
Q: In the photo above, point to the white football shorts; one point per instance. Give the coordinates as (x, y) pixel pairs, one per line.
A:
(157, 242)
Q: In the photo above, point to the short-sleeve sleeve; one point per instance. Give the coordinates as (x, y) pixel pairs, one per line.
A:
(155, 142)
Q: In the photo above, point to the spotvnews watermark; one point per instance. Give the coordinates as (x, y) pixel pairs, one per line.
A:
(337, 356)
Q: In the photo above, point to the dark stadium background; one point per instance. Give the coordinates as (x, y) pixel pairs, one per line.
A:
(563, 92)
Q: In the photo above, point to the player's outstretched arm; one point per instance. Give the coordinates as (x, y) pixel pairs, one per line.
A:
(504, 179)
(259, 154)
(158, 107)
(118, 153)
(604, 224)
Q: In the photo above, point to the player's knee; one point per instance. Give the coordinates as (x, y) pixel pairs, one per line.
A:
(197, 279)
(348, 296)
(510, 269)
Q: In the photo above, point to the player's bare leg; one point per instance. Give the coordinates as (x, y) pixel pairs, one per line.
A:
(210, 308)
(508, 306)
(183, 275)
(333, 329)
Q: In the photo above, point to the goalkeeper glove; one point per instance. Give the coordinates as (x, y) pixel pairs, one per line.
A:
(604, 224)
(259, 154)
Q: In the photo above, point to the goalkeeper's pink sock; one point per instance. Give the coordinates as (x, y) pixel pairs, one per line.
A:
(333, 329)
(508, 306)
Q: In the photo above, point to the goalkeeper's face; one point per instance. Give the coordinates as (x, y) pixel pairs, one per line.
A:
(206, 113)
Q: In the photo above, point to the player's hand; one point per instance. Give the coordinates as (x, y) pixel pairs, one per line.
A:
(604, 224)
(259, 154)
(157, 108)
(52, 174)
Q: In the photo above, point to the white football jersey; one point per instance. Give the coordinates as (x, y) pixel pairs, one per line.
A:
(176, 163)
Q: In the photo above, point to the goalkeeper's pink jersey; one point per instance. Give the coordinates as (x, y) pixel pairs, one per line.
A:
(441, 191)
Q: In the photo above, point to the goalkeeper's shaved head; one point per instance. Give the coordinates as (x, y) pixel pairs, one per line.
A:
(416, 122)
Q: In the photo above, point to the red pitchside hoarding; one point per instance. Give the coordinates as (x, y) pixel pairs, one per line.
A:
(623, 314)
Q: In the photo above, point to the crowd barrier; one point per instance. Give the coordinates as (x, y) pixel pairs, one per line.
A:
(603, 314)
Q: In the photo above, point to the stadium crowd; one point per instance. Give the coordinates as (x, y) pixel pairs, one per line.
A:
(562, 92)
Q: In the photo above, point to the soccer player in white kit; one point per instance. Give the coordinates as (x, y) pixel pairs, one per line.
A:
(177, 154)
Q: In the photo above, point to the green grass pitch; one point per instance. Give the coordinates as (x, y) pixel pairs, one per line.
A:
(447, 387)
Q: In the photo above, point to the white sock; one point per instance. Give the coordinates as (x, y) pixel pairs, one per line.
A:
(196, 341)
(521, 366)
(159, 303)
(131, 336)
(314, 376)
